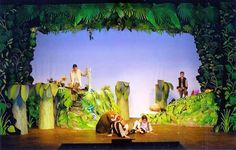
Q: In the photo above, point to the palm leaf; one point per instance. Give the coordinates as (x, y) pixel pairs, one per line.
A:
(106, 10)
(151, 18)
(89, 12)
(166, 14)
(185, 11)
(140, 11)
(128, 9)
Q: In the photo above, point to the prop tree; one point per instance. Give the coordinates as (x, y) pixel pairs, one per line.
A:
(19, 94)
(162, 90)
(211, 24)
(47, 92)
(122, 90)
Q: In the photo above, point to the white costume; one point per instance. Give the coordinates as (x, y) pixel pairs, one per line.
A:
(75, 77)
(138, 125)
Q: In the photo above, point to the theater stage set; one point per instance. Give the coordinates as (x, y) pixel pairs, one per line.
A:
(40, 108)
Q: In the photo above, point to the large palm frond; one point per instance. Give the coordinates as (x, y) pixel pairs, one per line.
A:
(87, 12)
(185, 11)
(140, 11)
(166, 14)
(106, 10)
(128, 9)
(119, 10)
(151, 18)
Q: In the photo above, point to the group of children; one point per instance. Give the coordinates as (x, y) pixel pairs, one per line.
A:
(122, 130)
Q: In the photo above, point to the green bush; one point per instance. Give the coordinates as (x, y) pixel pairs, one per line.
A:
(89, 108)
(194, 110)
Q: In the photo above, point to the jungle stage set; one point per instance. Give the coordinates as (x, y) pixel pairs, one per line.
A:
(26, 106)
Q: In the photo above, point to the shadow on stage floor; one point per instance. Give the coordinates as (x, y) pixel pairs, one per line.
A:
(124, 144)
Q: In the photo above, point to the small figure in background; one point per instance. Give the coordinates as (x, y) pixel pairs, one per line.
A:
(183, 85)
(142, 126)
(119, 129)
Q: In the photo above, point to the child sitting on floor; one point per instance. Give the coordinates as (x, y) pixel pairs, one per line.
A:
(119, 129)
(142, 126)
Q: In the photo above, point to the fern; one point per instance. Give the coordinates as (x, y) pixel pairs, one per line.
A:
(225, 124)
(165, 14)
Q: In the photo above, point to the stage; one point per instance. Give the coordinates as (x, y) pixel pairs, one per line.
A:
(189, 137)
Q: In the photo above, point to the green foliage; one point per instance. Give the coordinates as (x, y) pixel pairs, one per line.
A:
(233, 119)
(65, 98)
(185, 11)
(33, 108)
(3, 119)
(122, 89)
(225, 124)
(165, 14)
(194, 110)
(46, 90)
(24, 92)
(213, 29)
(85, 112)
(15, 91)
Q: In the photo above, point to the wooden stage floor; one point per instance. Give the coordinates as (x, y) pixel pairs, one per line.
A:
(189, 137)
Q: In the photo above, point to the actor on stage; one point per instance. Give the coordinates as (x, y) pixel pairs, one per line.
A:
(119, 129)
(75, 76)
(183, 85)
(142, 126)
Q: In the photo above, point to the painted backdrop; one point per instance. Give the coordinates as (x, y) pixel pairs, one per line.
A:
(137, 57)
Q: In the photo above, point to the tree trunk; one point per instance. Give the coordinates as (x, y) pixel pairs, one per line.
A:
(123, 104)
(46, 114)
(19, 113)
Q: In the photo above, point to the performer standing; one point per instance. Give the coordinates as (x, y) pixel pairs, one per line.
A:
(183, 85)
(75, 76)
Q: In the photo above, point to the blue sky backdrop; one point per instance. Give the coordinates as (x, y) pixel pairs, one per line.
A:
(137, 57)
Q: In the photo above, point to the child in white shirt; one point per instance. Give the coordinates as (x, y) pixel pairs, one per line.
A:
(141, 126)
